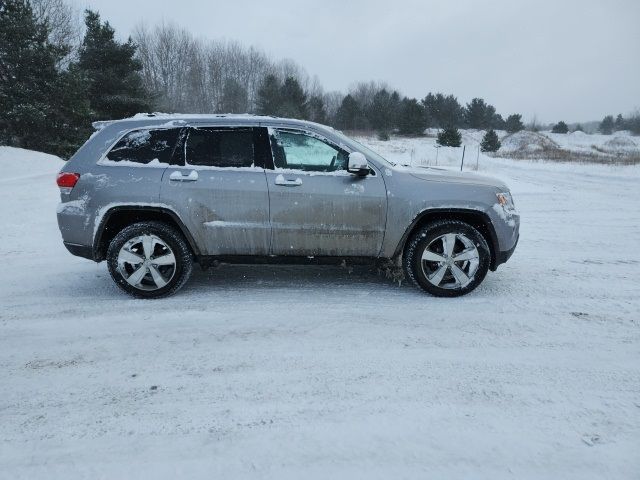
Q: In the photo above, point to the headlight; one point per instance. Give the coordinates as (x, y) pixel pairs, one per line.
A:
(506, 200)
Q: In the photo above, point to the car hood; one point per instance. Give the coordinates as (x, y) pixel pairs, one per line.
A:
(435, 174)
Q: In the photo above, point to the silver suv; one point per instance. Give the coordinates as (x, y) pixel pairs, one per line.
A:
(153, 194)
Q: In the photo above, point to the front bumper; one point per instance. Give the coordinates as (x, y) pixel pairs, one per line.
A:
(503, 256)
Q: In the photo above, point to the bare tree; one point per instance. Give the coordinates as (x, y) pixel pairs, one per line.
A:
(64, 22)
(332, 102)
(169, 56)
(363, 92)
(533, 125)
(195, 75)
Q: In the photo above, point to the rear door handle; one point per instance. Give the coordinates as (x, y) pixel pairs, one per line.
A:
(288, 182)
(177, 176)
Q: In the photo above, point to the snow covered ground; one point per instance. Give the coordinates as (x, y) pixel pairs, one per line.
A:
(322, 372)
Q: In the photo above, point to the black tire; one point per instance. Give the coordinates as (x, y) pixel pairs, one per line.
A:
(180, 273)
(414, 266)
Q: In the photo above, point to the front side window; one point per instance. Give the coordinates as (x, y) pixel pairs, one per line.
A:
(211, 147)
(299, 151)
(145, 146)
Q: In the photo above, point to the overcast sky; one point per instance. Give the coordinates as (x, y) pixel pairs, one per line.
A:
(563, 59)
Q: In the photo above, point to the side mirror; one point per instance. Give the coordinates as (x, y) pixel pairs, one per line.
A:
(358, 164)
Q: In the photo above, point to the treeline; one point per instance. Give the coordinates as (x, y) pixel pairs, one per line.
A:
(386, 111)
(609, 125)
(58, 76)
(59, 73)
(201, 76)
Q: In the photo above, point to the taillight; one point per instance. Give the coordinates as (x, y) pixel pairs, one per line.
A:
(66, 181)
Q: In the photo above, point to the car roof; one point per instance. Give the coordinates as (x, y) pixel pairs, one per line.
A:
(226, 119)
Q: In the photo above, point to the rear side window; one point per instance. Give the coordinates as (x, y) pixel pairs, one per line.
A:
(220, 147)
(145, 146)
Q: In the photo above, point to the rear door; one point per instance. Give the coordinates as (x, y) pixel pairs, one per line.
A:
(219, 190)
(316, 206)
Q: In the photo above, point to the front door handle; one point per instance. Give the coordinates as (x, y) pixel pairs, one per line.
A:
(288, 182)
(177, 176)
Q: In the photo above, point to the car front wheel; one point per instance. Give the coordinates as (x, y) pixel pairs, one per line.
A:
(447, 258)
(149, 260)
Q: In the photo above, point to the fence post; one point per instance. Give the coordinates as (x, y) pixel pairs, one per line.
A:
(464, 147)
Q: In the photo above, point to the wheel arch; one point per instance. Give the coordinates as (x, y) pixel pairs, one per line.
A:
(476, 218)
(118, 217)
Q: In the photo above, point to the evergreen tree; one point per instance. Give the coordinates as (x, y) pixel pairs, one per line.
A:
(451, 112)
(514, 123)
(620, 123)
(348, 114)
(412, 118)
(72, 116)
(606, 126)
(490, 142)
(395, 109)
(113, 72)
(431, 110)
(492, 119)
(294, 100)
(40, 107)
(476, 114)
(269, 97)
(449, 137)
(560, 127)
(496, 121)
(27, 71)
(442, 111)
(633, 123)
(234, 97)
(381, 110)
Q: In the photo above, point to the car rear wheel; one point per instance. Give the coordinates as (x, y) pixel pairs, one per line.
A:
(149, 260)
(447, 258)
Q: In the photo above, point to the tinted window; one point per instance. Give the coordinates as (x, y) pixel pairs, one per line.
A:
(220, 148)
(144, 146)
(303, 152)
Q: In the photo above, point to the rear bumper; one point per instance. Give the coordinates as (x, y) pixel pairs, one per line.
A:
(79, 250)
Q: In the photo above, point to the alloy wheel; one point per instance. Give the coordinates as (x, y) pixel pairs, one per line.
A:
(450, 261)
(146, 262)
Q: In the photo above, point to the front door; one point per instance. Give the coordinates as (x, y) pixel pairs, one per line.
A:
(316, 206)
(219, 190)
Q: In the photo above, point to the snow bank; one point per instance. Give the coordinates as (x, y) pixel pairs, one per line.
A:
(621, 143)
(525, 141)
(573, 146)
(19, 163)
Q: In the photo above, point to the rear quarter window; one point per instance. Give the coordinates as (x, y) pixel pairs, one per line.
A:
(145, 146)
